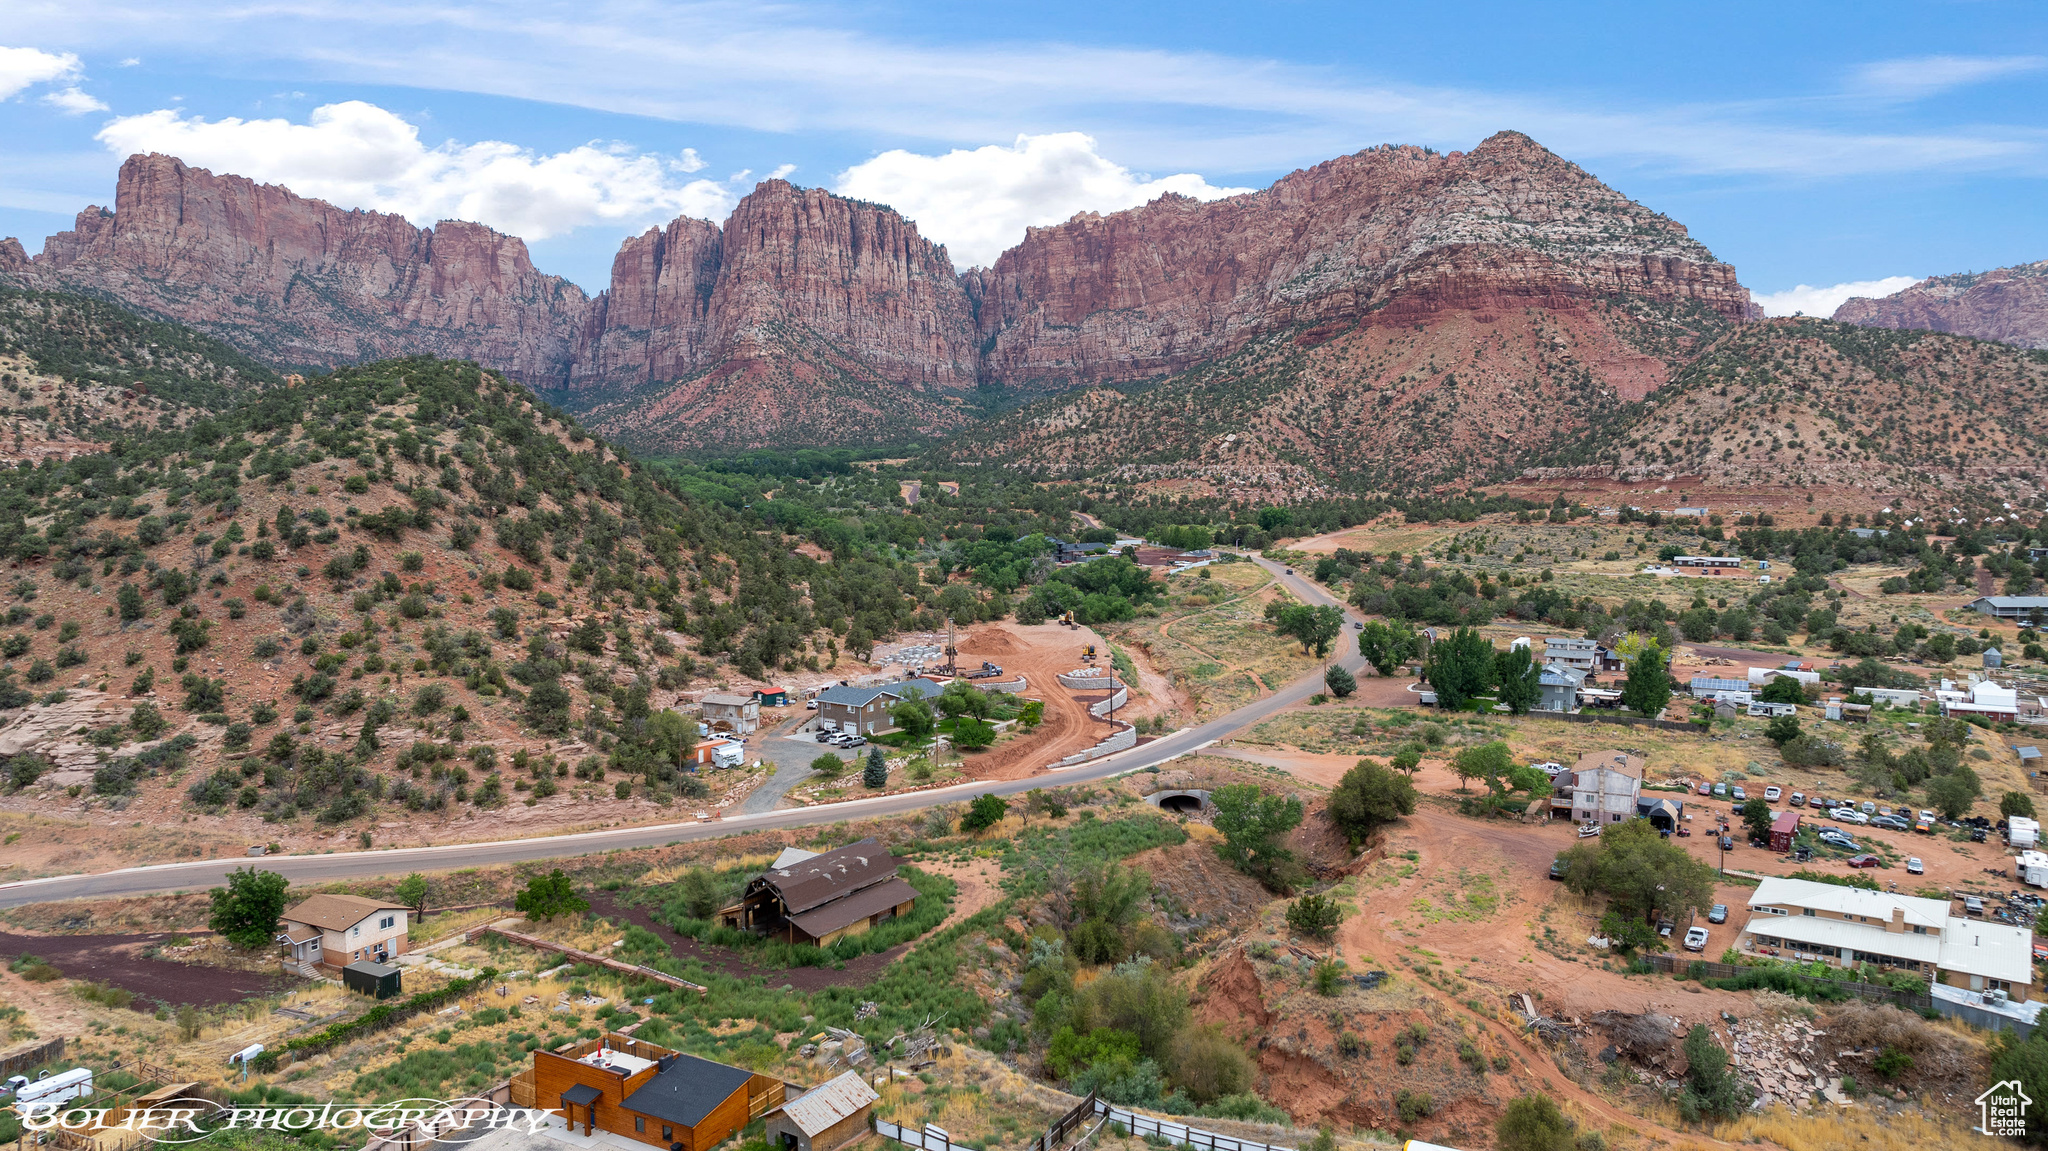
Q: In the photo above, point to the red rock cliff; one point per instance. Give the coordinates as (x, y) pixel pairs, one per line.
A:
(2009, 305)
(1175, 282)
(792, 267)
(301, 281)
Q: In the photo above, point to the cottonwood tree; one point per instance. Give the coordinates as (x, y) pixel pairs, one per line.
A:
(1519, 678)
(1460, 667)
(245, 912)
(1641, 874)
(1252, 824)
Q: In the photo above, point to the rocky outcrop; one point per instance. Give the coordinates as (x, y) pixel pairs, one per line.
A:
(302, 282)
(2009, 305)
(811, 318)
(1399, 230)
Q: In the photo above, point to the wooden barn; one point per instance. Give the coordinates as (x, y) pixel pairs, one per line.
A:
(824, 1118)
(823, 898)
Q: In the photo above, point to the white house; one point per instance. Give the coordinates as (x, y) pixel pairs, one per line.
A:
(334, 931)
(1800, 920)
(1983, 698)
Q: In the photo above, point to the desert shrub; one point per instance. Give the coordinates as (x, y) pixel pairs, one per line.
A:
(1413, 1106)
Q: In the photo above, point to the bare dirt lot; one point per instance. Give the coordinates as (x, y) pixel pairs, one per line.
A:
(1039, 652)
(116, 961)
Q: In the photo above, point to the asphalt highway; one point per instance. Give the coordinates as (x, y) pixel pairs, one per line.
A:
(314, 869)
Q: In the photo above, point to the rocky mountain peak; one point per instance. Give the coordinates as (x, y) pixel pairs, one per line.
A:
(2009, 305)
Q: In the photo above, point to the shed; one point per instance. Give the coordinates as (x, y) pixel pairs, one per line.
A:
(1784, 829)
(1663, 814)
(826, 1117)
(380, 980)
(772, 696)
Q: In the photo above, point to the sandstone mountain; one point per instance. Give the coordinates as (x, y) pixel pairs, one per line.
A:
(2009, 305)
(297, 281)
(809, 318)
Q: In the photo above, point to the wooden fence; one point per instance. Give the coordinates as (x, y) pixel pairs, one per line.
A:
(1055, 1136)
(33, 1058)
(425, 1132)
(1876, 992)
(1179, 1133)
(591, 957)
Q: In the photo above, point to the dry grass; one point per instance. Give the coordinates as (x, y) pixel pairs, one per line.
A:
(1212, 641)
(1853, 1129)
(421, 931)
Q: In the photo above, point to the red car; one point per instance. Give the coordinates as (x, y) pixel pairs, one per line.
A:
(1706, 789)
(1866, 860)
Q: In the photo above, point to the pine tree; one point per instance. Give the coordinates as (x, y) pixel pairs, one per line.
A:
(876, 774)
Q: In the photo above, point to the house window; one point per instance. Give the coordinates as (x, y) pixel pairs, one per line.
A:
(356, 930)
(640, 1124)
(668, 1133)
(1811, 913)
(387, 922)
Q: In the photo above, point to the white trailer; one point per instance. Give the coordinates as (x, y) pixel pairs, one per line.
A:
(50, 1091)
(2032, 869)
(2022, 832)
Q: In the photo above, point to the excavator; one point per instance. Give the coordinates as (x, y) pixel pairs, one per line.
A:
(1088, 653)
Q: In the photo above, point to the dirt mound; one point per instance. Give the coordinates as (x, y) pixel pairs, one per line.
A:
(1205, 891)
(991, 641)
(1233, 996)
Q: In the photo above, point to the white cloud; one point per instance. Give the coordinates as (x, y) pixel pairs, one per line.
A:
(1822, 302)
(1918, 76)
(358, 155)
(74, 101)
(21, 67)
(979, 202)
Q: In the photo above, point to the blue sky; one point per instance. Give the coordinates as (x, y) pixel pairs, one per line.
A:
(1814, 144)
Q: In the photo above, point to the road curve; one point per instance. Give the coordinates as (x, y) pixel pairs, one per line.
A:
(335, 866)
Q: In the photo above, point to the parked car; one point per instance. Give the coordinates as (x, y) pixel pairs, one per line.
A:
(1557, 869)
(1915, 867)
(1719, 914)
(1696, 939)
(1972, 905)
(1848, 815)
(1720, 789)
(850, 739)
(1979, 835)
(1891, 823)
(1865, 860)
(1665, 928)
(825, 734)
(810, 705)
(1727, 843)
(1834, 838)
(1798, 799)
(1924, 827)
(1737, 793)
(1772, 793)
(1927, 817)
(1706, 789)
(1867, 807)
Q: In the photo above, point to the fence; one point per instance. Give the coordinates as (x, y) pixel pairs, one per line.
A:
(1677, 965)
(1178, 1133)
(1625, 720)
(590, 957)
(450, 1118)
(1988, 1020)
(33, 1057)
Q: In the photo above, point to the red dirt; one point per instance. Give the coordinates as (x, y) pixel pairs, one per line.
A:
(115, 960)
(1040, 652)
(990, 641)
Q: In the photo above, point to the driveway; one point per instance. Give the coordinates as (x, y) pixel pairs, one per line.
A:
(344, 865)
(791, 755)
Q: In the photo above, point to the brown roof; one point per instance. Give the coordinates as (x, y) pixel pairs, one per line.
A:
(819, 1108)
(823, 878)
(854, 907)
(337, 912)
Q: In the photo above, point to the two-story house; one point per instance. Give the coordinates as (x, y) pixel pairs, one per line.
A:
(333, 931)
(1800, 920)
(1580, 655)
(724, 711)
(1557, 687)
(1604, 787)
(866, 709)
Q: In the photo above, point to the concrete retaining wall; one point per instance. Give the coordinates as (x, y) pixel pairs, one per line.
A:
(1086, 679)
(1101, 708)
(1011, 686)
(1124, 739)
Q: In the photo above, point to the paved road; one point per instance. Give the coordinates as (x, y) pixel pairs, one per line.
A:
(305, 869)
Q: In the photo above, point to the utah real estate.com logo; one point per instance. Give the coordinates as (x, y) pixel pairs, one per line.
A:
(2003, 1109)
